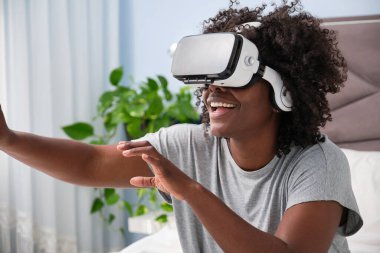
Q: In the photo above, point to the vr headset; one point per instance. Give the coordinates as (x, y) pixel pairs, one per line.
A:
(224, 59)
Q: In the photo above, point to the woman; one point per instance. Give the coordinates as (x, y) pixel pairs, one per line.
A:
(251, 179)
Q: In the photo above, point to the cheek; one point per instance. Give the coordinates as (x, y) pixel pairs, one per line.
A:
(256, 108)
(258, 97)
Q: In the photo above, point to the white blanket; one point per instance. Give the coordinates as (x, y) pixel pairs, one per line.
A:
(166, 240)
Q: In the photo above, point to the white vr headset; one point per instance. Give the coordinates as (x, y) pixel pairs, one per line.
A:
(224, 59)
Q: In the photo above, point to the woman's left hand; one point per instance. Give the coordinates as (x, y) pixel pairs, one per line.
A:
(167, 177)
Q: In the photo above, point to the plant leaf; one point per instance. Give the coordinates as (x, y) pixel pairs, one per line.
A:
(134, 128)
(111, 218)
(141, 210)
(152, 195)
(189, 112)
(113, 199)
(141, 192)
(108, 192)
(164, 85)
(108, 122)
(152, 84)
(175, 113)
(97, 142)
(79, 131)
(155, 107)
(167, 207)
(125, 94)
(163, 218)
(163, 81)
(168, 95)
(155, 125)
(116, 76)
(119, 114)
(122, 231)
(97, 205)
(111, 196)
(105, 102)
(128, 206)
(138, 107)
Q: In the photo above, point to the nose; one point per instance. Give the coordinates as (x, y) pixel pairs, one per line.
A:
(214, 88)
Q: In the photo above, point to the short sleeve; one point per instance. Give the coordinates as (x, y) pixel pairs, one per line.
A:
(322, 174)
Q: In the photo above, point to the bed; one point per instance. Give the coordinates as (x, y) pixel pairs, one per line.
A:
(355, 128)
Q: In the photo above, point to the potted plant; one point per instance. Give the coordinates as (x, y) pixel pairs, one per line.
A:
(139, 111)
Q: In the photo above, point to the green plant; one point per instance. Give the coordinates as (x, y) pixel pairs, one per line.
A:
(139, 111)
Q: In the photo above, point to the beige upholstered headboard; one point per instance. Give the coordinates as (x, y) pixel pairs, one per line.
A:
(356, 109)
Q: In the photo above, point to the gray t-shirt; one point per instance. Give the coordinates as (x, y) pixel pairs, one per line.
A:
(318, 172)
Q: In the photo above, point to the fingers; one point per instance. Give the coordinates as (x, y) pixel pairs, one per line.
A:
(143, 182)
(147, 152)
(156, 165)
(125, 145)
(138, 149)
(153, 161)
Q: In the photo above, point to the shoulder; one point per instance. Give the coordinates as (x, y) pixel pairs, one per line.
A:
(321, 173)
(323, 165)
(184, 128)
(182, 132)
(324, 155)
(178, 137)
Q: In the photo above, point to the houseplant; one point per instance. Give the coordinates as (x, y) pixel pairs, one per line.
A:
(138, 111)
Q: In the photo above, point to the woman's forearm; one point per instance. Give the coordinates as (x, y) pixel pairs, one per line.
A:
(75, 162)
(63, 159)
(230, 231)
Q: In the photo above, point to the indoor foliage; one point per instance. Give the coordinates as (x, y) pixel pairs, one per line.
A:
(139, 111)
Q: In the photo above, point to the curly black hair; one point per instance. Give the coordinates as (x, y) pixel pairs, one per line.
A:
(305, 54)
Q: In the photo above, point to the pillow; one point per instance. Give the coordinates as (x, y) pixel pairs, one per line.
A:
(365, 177)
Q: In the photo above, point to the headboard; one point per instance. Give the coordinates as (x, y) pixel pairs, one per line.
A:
(356, 108)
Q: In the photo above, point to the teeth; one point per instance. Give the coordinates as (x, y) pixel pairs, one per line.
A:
(220, 104)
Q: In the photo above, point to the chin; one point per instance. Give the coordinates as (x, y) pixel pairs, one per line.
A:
(219, 131)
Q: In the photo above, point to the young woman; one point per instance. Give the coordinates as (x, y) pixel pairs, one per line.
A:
(251, 178)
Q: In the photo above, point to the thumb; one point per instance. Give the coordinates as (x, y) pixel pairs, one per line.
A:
(144, 182)
(2, 117)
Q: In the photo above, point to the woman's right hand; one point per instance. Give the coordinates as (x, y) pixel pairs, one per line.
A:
(5, 132)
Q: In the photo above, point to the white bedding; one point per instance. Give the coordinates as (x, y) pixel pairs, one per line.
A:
(365, 176)
(166, 240)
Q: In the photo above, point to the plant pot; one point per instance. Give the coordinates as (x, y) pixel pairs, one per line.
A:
(146, 224)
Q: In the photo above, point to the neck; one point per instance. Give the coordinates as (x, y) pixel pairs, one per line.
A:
(255, 152)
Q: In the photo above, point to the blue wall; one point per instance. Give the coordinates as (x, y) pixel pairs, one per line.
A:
(153, 26)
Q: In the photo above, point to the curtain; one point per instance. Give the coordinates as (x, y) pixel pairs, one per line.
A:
(55, 57)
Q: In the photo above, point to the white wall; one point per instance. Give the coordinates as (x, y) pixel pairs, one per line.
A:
(154, 25)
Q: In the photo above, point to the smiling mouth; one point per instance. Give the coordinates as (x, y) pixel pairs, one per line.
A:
(220, 105)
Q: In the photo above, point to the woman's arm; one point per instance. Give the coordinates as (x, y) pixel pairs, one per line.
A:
(71, 161)
(306, 227)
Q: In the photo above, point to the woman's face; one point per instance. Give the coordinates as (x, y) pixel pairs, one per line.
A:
(240, 112)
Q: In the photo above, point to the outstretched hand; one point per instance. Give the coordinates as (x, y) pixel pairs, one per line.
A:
(167, 177)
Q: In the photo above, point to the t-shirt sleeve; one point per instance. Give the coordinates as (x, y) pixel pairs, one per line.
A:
(323, 174)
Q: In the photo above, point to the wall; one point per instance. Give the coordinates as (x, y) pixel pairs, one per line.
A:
(152, 26)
